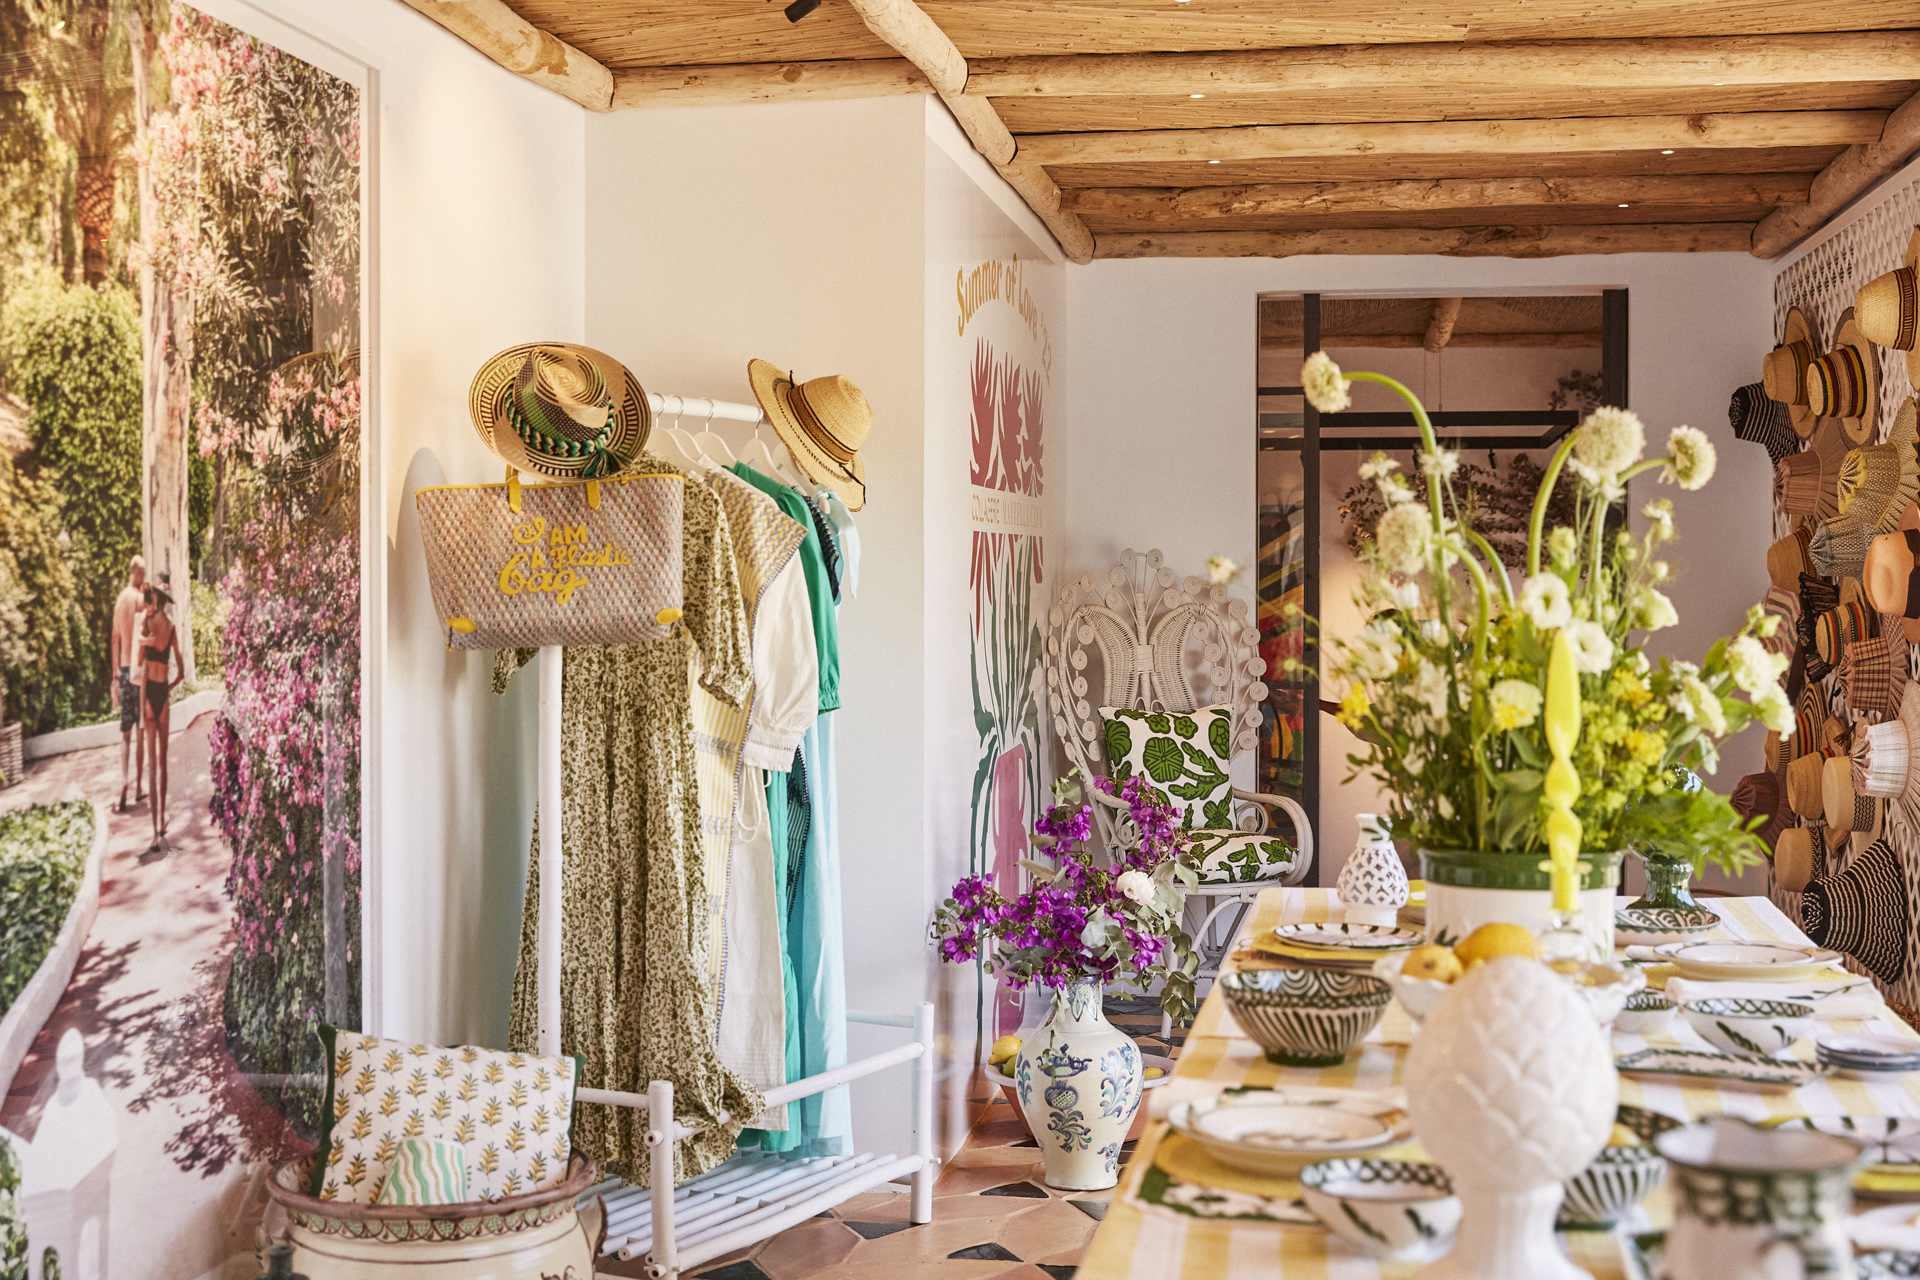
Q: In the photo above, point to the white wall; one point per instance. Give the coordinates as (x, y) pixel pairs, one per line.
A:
(1162, 362)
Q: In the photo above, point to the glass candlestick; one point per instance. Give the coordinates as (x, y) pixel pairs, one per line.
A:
(1565, 947)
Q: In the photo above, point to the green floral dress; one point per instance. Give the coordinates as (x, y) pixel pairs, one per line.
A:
(635, 1003)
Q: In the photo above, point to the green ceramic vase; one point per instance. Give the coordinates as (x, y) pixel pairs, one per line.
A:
(1667, 879)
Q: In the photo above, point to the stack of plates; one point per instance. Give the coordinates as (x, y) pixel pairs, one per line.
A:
(1738, 961)
(1866, 1056)
(1338, 945)
(1892, 1149)
(1276, 1133)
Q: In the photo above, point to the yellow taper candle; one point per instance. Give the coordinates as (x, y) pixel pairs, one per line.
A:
(1562, 724)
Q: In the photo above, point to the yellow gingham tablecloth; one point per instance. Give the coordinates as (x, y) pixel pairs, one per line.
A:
(1142, 1241)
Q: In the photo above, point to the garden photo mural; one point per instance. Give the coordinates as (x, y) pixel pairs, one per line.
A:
(180, 627)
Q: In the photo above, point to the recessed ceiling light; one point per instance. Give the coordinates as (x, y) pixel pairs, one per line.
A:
(1196, 95)
(1666, 153)
(1625, 206)
(1210, 161)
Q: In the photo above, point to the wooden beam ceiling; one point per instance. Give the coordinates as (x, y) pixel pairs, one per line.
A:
(1269, 127)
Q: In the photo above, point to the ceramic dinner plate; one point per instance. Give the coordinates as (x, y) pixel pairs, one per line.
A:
(1888, 1227)
(1350, 937)
(1746, 961)
(1726, 1069)
(1277, 1132)
(1889, 1140)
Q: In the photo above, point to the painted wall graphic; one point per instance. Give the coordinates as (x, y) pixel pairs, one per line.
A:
(1008, 477)
(180, 624)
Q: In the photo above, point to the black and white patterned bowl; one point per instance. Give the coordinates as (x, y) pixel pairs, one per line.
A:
(1390, 1208)
(1306, 1017)
(1646, 1011)
(1760, 1028)
(1619, 1177)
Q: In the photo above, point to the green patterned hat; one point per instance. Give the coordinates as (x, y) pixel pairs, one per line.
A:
(560, 410)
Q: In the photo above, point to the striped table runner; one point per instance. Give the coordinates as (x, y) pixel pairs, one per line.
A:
(1140, 1241)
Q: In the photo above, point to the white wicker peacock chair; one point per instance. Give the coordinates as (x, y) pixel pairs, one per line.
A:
(1170, 655)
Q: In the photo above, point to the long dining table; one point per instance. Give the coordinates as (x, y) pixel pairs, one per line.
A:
(1178, 1216)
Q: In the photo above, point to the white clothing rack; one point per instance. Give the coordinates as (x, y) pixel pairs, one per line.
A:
(752, 1196)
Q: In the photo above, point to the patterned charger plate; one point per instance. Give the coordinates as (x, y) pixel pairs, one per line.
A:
(1350, 937)
(1747, 961)
(1724, 1068)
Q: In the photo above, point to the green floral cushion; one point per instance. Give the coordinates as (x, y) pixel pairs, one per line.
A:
(1238, 857)
(1184, 756)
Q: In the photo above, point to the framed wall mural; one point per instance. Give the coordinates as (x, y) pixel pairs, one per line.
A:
(181, 625)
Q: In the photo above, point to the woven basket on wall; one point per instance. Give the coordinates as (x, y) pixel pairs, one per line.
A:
(11, 762)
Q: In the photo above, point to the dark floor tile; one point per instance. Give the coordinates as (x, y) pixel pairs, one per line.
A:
(874, 1230)
(1130, 1144)
(1058, 1270)
(988, 1252)
(1025, 1190)
(1095, 1209)
(734, 1271)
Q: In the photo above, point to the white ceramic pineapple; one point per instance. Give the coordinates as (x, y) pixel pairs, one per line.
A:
(1511, 1089)
(1373, 884)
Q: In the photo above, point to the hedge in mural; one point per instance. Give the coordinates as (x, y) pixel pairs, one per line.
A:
(43, 851)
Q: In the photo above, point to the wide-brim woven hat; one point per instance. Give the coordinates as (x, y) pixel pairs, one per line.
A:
(1844, 808)
(1873, 674)
(1877, 482)
(1804, 786)
(1885, 759)
(1862, 911)
(1784, 605)
(1804, 485)
(1783, 371)
(1764, 421)
(1787, 559)
(1796, 858)
(824, 422)
(1758, 796)
(1844, 382)
(561, 410)
(1817, 598)
(1838, 629)
(1888, 308)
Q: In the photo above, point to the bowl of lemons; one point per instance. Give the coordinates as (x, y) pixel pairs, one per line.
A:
(1420, 977)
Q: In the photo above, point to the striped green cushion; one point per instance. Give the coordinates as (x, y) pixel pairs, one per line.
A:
(426, 1171)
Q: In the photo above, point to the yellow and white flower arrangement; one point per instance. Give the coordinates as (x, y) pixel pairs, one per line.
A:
(1446, 682)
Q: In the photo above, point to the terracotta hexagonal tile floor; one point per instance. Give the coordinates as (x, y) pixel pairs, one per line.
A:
(994, 1217)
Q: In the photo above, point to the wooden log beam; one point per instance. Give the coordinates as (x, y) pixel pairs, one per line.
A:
(1160, 206)
(915, 36)
(1836, 186)
(1453, 137)
(1825, 58)
(524, 49)
(1451, 242)
(1446, 313)
(739, 83)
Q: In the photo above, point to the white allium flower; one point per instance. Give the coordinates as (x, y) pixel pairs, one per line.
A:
(1135, 885)
(1693, 458)
(1404, 596)
(1652, 610)
(1562, 546)
(1430, 687)
(1377, 466)
(1326, 390)
(1545, 599)
(1404, 537)
(1753, 667)
(1606, 484)
(1376, 656)
(1221, 571)
(1700, 705)
(1442, 464)
(1592, 647)
(1610, 441)
(1659, 514)
(1515, 704)
(1395, 490)
(1774, 710)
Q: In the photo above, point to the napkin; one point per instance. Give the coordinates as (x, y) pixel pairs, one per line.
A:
(1848, 998)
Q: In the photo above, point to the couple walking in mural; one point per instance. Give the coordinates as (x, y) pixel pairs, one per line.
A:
(145, 649)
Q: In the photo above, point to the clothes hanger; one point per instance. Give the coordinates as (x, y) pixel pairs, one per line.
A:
(678, 444)
(711, 446)
(756, 454)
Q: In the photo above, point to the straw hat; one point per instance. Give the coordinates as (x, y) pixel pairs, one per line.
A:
(1873, 674)
(1804, 786)
(1885, 760)
(1892, 577)
(1845, 809)
(1796, 858)
(1838, 546)
(1776, 753)
(1763, 421)
(1888, 308)
(1787, 559)
(1803, 485)
(1862, 911)
(1758, 796)
(1844, 383)
(1878, 481)
(1783, 371)
(1785, 606)
(823, 421)
(561, 410)
(1836, 630)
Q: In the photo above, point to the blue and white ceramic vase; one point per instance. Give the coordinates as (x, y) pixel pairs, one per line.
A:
(1078, 1077)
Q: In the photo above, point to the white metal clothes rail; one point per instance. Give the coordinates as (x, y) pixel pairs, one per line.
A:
(754, 1195)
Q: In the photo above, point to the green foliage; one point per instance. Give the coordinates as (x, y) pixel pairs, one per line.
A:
(43, 850)
(209, 630)
(43, 630)
(13, 1222)
(74, 356)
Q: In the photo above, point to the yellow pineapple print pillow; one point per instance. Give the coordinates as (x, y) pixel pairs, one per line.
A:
(511, 1112)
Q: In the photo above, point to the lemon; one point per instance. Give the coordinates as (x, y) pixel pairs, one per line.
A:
(1624, 1137)
(1431, 961)
(1491, 941)
(1003, 1050)
(1153, 1073)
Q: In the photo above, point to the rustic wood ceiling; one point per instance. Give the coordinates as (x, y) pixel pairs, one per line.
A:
(1238, 127)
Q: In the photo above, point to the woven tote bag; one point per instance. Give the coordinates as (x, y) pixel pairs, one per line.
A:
(580, 562)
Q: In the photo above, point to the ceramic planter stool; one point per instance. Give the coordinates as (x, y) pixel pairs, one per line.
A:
(539, 1236)
(1466, 890)
(1078, 1077)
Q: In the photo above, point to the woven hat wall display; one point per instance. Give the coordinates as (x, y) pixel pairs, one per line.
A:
(1888, 308)
(1873, 674)
(1838, 547)
(1844, 382)
(824, 422)
(1884, 759)
(1783, 371)
(560, 410)
(1878, 482)
(1798, 856)
(1787, 559)
(1758, 418)
(1758, 796)
(1862, 911)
